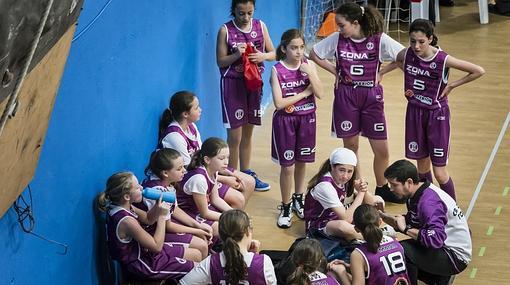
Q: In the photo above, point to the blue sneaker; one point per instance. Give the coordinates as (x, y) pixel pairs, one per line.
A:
(260, 186)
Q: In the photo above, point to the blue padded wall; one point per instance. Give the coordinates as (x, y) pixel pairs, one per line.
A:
(118, 78)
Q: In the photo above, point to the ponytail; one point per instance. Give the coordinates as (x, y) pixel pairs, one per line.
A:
(235, 267)
(370, 19)
(373, 235)
(366, 219)
(233, 226)
(117, 186)
(299, 277)
(210, 148)
(164, 121)
(197, 160)
(308, 257)
(180, 102)
(103, 203)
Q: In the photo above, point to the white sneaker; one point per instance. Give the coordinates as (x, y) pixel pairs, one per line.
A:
(298, 205)
(388, 230)
(285, 217)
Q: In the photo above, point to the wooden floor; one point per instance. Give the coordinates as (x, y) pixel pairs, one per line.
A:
(478, 112)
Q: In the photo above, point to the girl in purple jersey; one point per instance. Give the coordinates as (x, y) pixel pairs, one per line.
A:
(143, 255)
(177, 130)
(359, 47)
(241, 107)
(239, 262)
(201, 195)
(379, 261)
(165, 169)
(295, 85)
(334, 194)
(312, 267)
(426, 69)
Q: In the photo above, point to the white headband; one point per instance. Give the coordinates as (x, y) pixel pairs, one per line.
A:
(343, 156)
(362, 10)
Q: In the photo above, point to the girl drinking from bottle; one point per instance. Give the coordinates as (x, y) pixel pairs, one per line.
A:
(143, 255)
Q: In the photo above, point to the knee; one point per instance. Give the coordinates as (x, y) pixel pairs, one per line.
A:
(201, 245)
(194, 254)
(287, 170)
(441, 175)
(352, 146)
(249, 183)
(238, 201)
(234, 140)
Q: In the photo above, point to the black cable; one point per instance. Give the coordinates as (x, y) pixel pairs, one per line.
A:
(24, 212)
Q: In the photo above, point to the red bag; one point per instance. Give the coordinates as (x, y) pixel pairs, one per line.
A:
(252, 77)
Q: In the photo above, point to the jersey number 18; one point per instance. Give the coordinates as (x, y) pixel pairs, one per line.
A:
(393, 263)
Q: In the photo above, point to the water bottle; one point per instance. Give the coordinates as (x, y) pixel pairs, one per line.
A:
(155, 193)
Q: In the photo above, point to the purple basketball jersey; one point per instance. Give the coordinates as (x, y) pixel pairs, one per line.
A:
(234, 37)
(293, 82)
(140, 261)
(357, 63)
(387, 266)
(192, 145)
(319, 278)
(316, 217)
(255, 271)
(124, 252)
(186, 202)
(425, 80)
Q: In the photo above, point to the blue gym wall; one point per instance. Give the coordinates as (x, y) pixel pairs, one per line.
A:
(118, 78)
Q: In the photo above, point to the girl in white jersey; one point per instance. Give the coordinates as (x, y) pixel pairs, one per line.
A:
(426, 70)
(177, 130)
(359, 47)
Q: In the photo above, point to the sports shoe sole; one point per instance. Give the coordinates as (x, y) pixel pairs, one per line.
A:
(263, 189)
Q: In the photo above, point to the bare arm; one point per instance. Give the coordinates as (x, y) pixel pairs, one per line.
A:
(269, 53)
(132, 228)
(311, 70)
(357, 268)
(144, 217)
(218, 202)
(324, 63)
(223, 59)
(473, 72)
(201, 202)
(279, 101)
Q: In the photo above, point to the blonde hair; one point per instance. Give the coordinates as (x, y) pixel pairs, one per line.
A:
(117, 186)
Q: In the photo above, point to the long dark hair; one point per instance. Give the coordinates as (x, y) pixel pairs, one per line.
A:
(234, 225)
(366, 219)
(180, 102)
(370, 20)
(287, 37)
(325, 168)
(425, 26)
(234, 4)
(210, 148)
(117, 186)
(308, 258)
(160, 160)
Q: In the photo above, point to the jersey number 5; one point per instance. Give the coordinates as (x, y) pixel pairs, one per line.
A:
(393, 263)
(419, 85)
